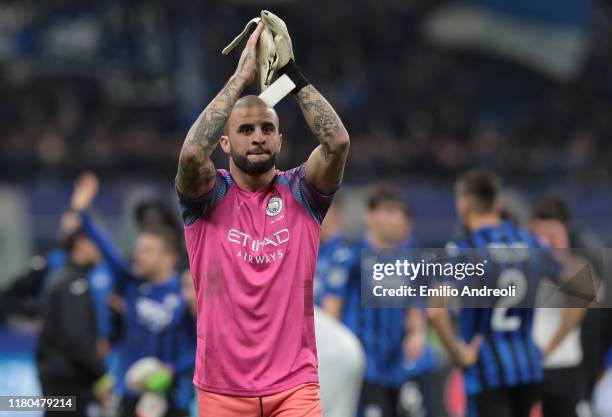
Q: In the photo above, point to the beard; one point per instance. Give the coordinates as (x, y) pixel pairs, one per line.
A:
(254, 168)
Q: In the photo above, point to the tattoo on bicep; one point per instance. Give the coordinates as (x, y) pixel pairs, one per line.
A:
(192, 173)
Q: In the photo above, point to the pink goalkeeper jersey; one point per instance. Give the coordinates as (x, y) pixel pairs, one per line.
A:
(253, 257)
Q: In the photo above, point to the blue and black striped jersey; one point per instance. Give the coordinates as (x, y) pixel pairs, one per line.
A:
(508, 355)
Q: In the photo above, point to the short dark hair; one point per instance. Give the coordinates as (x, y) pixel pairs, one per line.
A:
(382, 193)
(69, 241)
(162, 212)
(250, 100)
(483, 186)
(166, 234)
(552, 208)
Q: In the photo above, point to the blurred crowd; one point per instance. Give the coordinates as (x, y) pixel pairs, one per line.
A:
(114, 86)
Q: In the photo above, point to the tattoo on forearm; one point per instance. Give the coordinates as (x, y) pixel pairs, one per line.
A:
(208, 128)
(325, 123)
(203, 137)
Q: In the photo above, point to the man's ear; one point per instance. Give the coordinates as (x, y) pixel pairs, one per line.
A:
(225, 144)
(280, 142)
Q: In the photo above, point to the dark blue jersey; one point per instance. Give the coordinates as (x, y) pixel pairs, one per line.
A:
(508, 355)
(156, 321)
(325, 260)
(380, 330)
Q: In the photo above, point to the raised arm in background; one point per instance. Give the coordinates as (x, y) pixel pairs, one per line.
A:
(85, 190)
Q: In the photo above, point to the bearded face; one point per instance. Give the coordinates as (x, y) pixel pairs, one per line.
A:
(256, 161)
(252, 137)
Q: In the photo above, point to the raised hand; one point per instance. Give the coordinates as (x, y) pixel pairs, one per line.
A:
(85, 190)
(247, 65)
(282, 40)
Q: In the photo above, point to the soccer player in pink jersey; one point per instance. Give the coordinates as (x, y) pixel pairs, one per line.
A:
(252, 235)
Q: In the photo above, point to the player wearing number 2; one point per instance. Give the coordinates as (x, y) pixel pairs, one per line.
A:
(502, 365)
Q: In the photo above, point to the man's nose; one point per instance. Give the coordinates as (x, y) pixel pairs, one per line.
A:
(258, 137)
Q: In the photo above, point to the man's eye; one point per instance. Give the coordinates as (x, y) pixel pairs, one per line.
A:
(245, 129)
(267, 129)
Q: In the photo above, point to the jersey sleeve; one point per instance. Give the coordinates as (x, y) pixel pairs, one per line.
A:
(315, 202)
(194, 209)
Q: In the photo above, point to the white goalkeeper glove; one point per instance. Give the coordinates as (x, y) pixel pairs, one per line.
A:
(274, 50)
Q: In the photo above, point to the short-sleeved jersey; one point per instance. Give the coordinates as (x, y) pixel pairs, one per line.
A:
(508, 355)
(253, 257)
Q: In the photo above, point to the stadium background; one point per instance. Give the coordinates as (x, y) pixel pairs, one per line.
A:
(427, 89)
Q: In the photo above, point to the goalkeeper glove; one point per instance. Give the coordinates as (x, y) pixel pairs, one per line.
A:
(274, 51)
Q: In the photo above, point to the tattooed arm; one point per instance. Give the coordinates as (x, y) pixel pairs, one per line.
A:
(196, 171)
(325, 165)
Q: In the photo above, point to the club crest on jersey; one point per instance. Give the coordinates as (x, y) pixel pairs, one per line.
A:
(275, 205)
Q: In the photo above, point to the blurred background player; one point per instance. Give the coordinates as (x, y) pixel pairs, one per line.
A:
(149, 213)
(502, 365)
(553, 217)
(23, 297)
(156, 320)
(391, 337)
(550, 222)
(333, 238)
(339, 351)
(70, 354)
